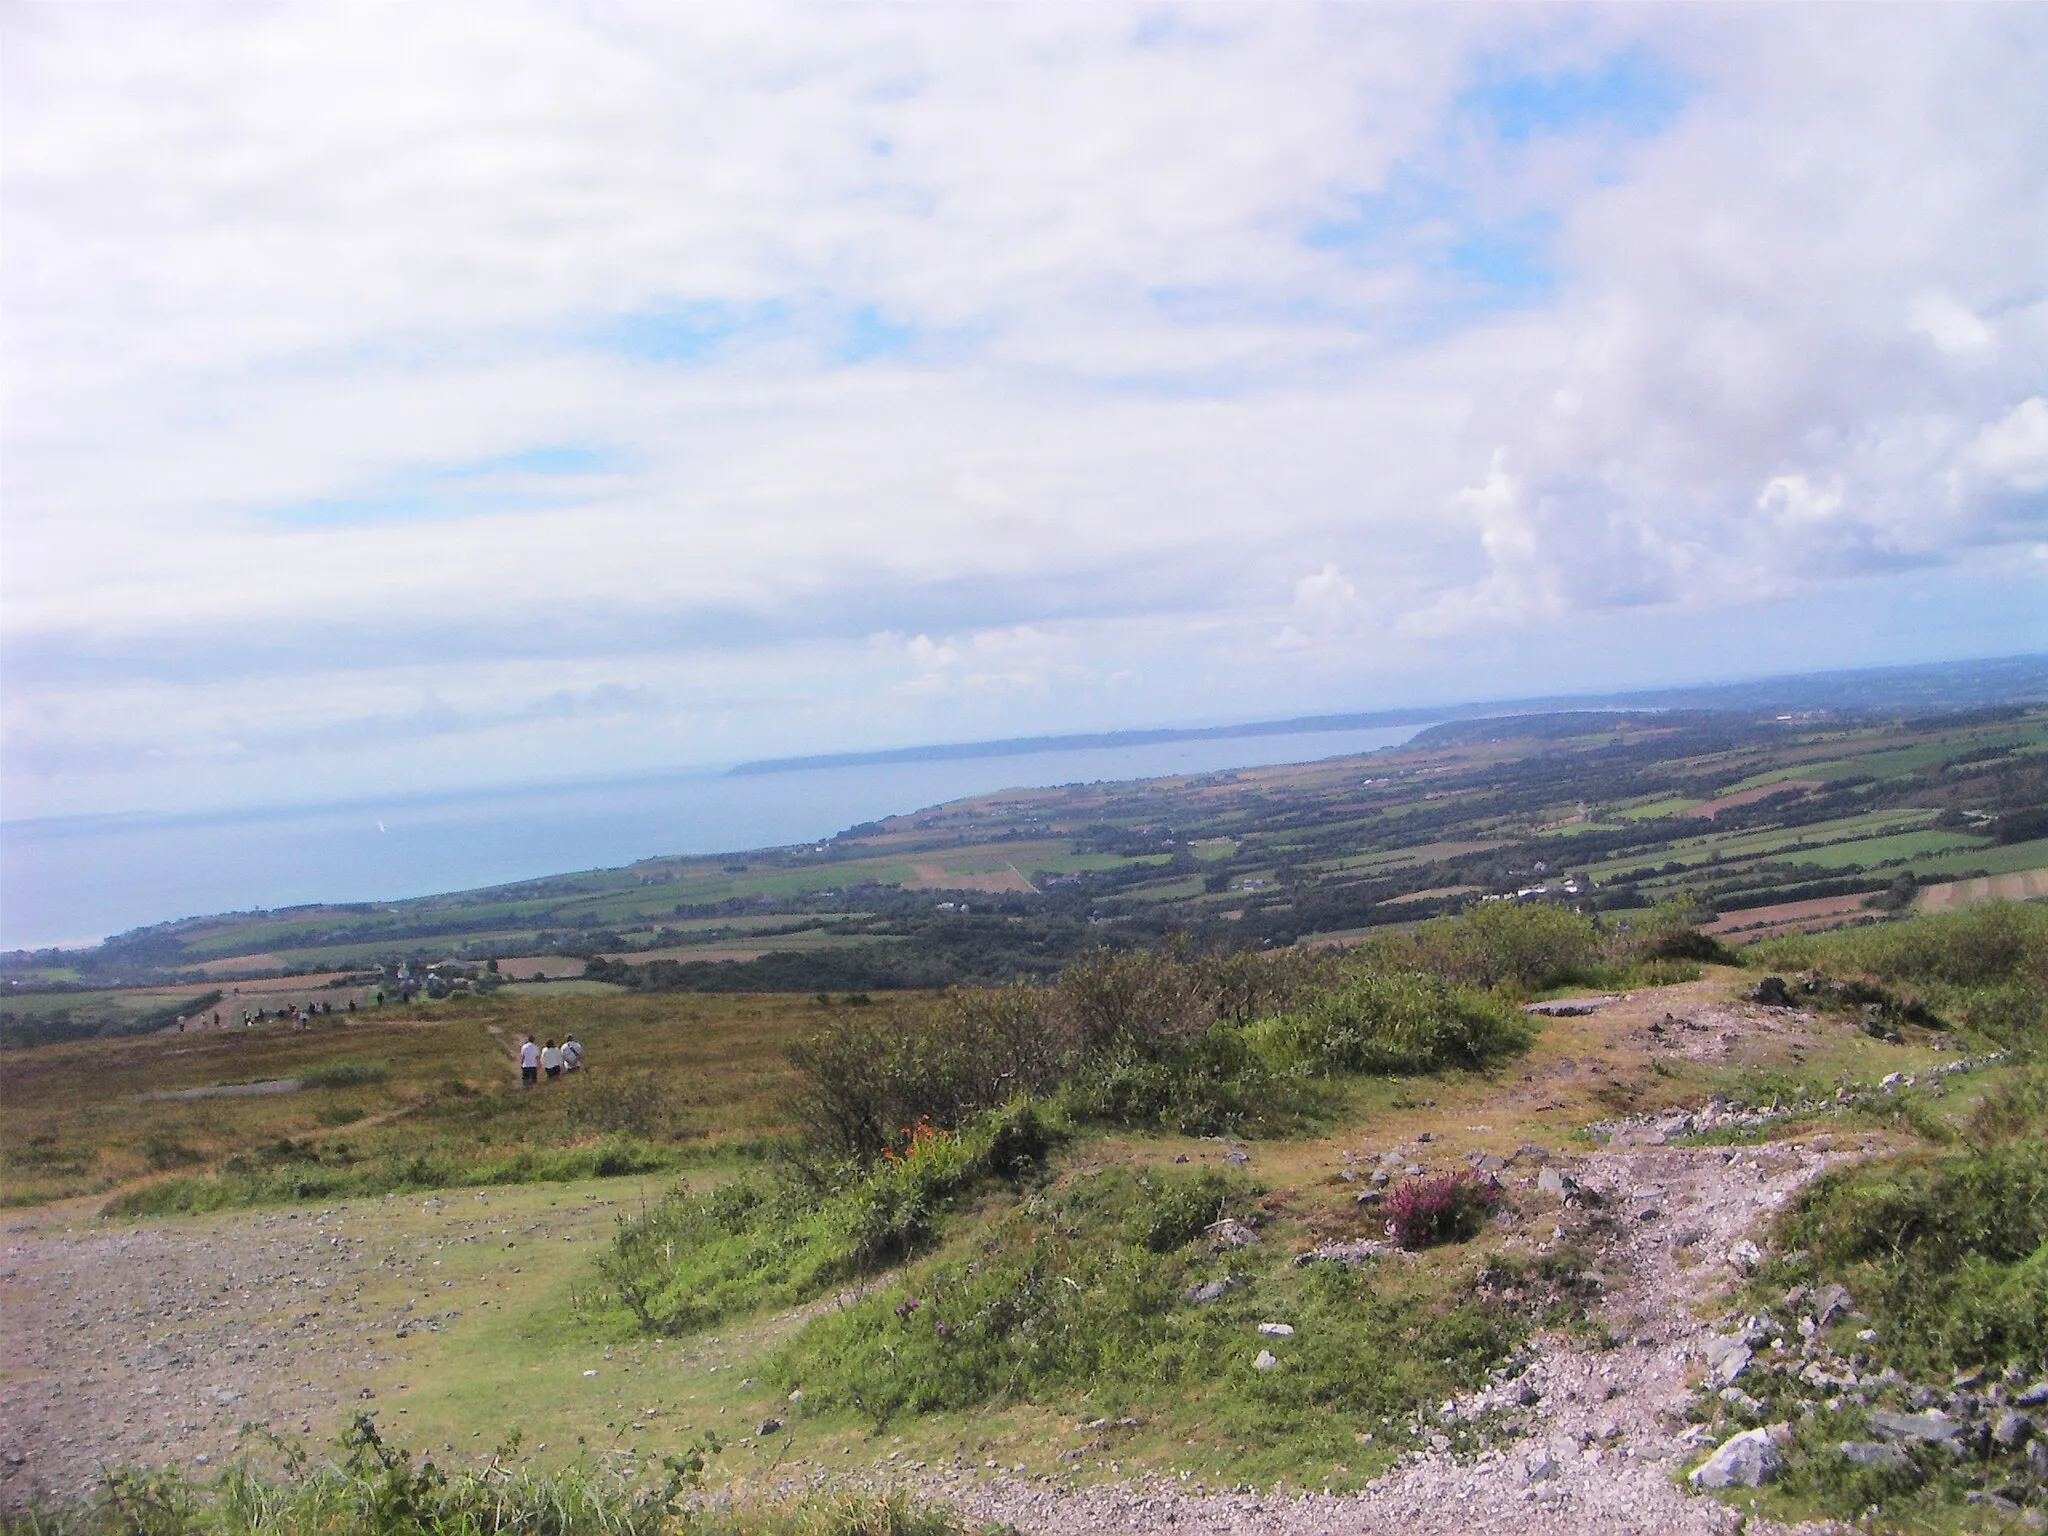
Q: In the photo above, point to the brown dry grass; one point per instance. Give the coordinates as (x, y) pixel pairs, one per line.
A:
(71, 1122)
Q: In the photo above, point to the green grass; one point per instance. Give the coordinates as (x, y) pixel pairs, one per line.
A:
(772, 1241)
(1942, 1242)
(1914, 847)
(1076, 1297)
(374, 1487)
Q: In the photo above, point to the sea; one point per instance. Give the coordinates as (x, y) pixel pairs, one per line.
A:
(71, 881)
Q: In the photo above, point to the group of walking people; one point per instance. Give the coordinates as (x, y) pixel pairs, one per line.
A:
(550, 1059)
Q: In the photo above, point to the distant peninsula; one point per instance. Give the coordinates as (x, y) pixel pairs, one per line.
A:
(1930, 686)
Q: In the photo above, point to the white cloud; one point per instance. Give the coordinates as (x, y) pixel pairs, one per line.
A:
(1950, 325)
(1064, 341)
(2015, 448)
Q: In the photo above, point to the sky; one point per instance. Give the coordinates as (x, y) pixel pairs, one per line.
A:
(404, 398)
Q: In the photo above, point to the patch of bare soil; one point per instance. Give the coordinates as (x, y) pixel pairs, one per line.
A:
(1712, 808)
(936, 877)
(1749, 924)
(2026, 885)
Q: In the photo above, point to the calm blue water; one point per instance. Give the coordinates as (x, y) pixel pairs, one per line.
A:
(74, 880)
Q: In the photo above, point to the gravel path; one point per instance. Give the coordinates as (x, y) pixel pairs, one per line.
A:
(154, 1345)
(147, 1346)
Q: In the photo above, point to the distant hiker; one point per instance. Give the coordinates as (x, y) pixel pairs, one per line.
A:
(216, 1018)
(572, 1054)
(551, 1059)
(351, 1005)
(529, 1063)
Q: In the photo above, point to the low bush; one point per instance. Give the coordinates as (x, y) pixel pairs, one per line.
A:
(1391, 1022)
(867, 1075)
(1946, 1251)
(1526, 947)
(344, 1074)
(1213, 1084)
(1998, 944)
(789, 1236)
(1449, 1208)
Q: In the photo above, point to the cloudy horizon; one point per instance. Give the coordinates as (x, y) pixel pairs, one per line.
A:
(419, 398)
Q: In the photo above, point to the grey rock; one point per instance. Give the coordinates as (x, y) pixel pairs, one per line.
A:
(1928, 1428)
(2035, 1396)
(1772, 993)
(1746, 1256)
(769, 1426)
(1369, 1197)
(1236, 1157)
(1749, 1460)
(1277, 1330)
(1230, 1233)
(1541, 1467)
(1872, 1453)
(1266, 1361)
(2012, 1431)
(2037, 1458)
(1213, 1290)
(1831, 1302)
(1378, 1179)
(1553, 1181)
(1727, 1359)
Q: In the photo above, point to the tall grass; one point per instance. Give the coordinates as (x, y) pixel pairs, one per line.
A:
(1946, 1250)
(376, 1489)
(1985, 968)
(290, 1171)
(781, 1239)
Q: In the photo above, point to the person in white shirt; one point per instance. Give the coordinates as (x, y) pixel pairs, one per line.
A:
(551, 1060)
(529, 1063)
(572, 1053)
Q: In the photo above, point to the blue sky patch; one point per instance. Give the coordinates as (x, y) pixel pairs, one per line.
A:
(1633, 93)
(869, 335)
(1467, 261)
(512, 482)
(678, 332)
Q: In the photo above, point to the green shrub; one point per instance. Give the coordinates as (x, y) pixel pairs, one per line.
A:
(866, 1076)
(1948, 1252)
(1391, 1022)
(782, 1239)
(1525, 946)
(1998, 944)
(1177, 1211)
(1082, 1291)
(1212, 1084)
